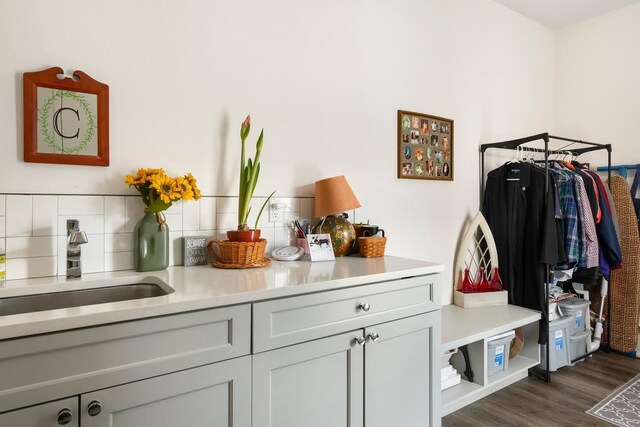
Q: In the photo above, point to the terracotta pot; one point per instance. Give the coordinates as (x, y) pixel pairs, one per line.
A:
(243, 235)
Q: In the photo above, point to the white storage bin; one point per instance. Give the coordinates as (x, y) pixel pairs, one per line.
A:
(498, 352)
(559, 353)
(578, 347)
(578, 308)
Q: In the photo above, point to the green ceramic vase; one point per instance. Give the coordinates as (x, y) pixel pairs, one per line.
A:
(151, 243)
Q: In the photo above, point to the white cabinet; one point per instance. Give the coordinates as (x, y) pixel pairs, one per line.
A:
(365, 355)
(314, 384)
(52, 414)
(401, 367)
(216, 395)
(379, 375)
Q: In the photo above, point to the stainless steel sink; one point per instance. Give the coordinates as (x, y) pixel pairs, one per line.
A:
(80, 297)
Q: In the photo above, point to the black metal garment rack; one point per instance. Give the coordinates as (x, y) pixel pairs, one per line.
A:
(513, 144)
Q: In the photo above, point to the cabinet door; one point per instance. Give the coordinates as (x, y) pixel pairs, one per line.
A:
(315, 384)
(402, 380)
(215, 395)
(52, 414)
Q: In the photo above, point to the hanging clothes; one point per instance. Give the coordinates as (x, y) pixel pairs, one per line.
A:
(520, 213)
(569, 216)
(610, 251)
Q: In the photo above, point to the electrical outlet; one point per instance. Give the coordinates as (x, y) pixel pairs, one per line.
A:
(275, 214)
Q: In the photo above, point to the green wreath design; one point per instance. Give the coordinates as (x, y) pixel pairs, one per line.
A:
(44, 114)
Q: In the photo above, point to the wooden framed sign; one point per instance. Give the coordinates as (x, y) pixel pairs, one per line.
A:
(425, 146)
(66, 119)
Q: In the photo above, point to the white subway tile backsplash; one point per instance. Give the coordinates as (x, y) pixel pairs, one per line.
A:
(135, 212)
(115, 214)
(208, 213)
(175, 248)
(23, 268)
(116, 261)
(176, 207)
(26, 247)
(122, 242)
(19, 215)
(227, 221)
(45, 215)
(191, 216)
(256, 204)
(80, 205)
(306, 208)
(90, 224)
(174, 221)
(270, 235)
(227, 205)
(93, 254)
(283, 237)
(36, 237)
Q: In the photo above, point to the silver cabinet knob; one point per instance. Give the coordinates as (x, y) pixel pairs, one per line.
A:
(364, 306)
(94, 408)
(360, 340)
(65, 416)
(373, 336)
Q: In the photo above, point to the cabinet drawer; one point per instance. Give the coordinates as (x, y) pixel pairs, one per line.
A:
(40, 368)
(288, 321)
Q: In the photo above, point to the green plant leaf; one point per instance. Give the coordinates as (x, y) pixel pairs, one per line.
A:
(255, 227)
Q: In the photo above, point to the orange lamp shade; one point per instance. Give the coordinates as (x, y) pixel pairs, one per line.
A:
(334, 195)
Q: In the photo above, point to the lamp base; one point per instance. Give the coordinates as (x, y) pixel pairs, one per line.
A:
(342, 232)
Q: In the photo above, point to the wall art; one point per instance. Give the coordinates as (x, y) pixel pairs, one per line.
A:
(66, 119)
(425, 146)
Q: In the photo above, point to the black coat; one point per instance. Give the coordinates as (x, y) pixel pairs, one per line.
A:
(520, 213)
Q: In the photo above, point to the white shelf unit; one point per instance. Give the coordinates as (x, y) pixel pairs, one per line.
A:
(472, 327)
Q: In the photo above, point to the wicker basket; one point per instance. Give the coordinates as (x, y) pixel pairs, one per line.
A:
(238, 253)
(372, 247)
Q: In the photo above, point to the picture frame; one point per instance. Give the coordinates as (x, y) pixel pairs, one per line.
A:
(320, 247)
(425, 146)
(66, 119)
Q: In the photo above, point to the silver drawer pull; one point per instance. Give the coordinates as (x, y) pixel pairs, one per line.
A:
(94, 408)
(364, 306)
(373, 336)
(360, 340)
(65, 416)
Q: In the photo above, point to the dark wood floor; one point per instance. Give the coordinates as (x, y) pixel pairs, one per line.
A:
(532, 402)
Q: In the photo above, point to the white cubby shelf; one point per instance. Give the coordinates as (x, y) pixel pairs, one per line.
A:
(472, 327)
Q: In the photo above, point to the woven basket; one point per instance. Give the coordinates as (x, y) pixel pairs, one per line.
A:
(372, 247)
(238, 253)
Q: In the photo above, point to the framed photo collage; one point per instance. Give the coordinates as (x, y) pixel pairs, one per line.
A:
(425, 146)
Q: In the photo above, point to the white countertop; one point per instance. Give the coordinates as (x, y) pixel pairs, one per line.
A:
(197, 288)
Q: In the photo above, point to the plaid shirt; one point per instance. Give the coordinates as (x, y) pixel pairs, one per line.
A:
(589, 239)
(569, 212)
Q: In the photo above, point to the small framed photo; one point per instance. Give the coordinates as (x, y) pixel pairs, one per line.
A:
(433, 160)
(320, 247)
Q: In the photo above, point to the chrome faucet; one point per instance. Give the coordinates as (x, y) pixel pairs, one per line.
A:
(75, 238)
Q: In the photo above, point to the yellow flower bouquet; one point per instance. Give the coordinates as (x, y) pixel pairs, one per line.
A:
(158, 190)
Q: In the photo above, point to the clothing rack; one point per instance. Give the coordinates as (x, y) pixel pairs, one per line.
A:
(514, 144)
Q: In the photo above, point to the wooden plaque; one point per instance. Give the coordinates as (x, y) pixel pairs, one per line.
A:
(66, 119)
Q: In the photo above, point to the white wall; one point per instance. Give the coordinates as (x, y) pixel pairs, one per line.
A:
(325, 80)
(598, 84)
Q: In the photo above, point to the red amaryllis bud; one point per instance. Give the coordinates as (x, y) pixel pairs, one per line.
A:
(244, 129)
